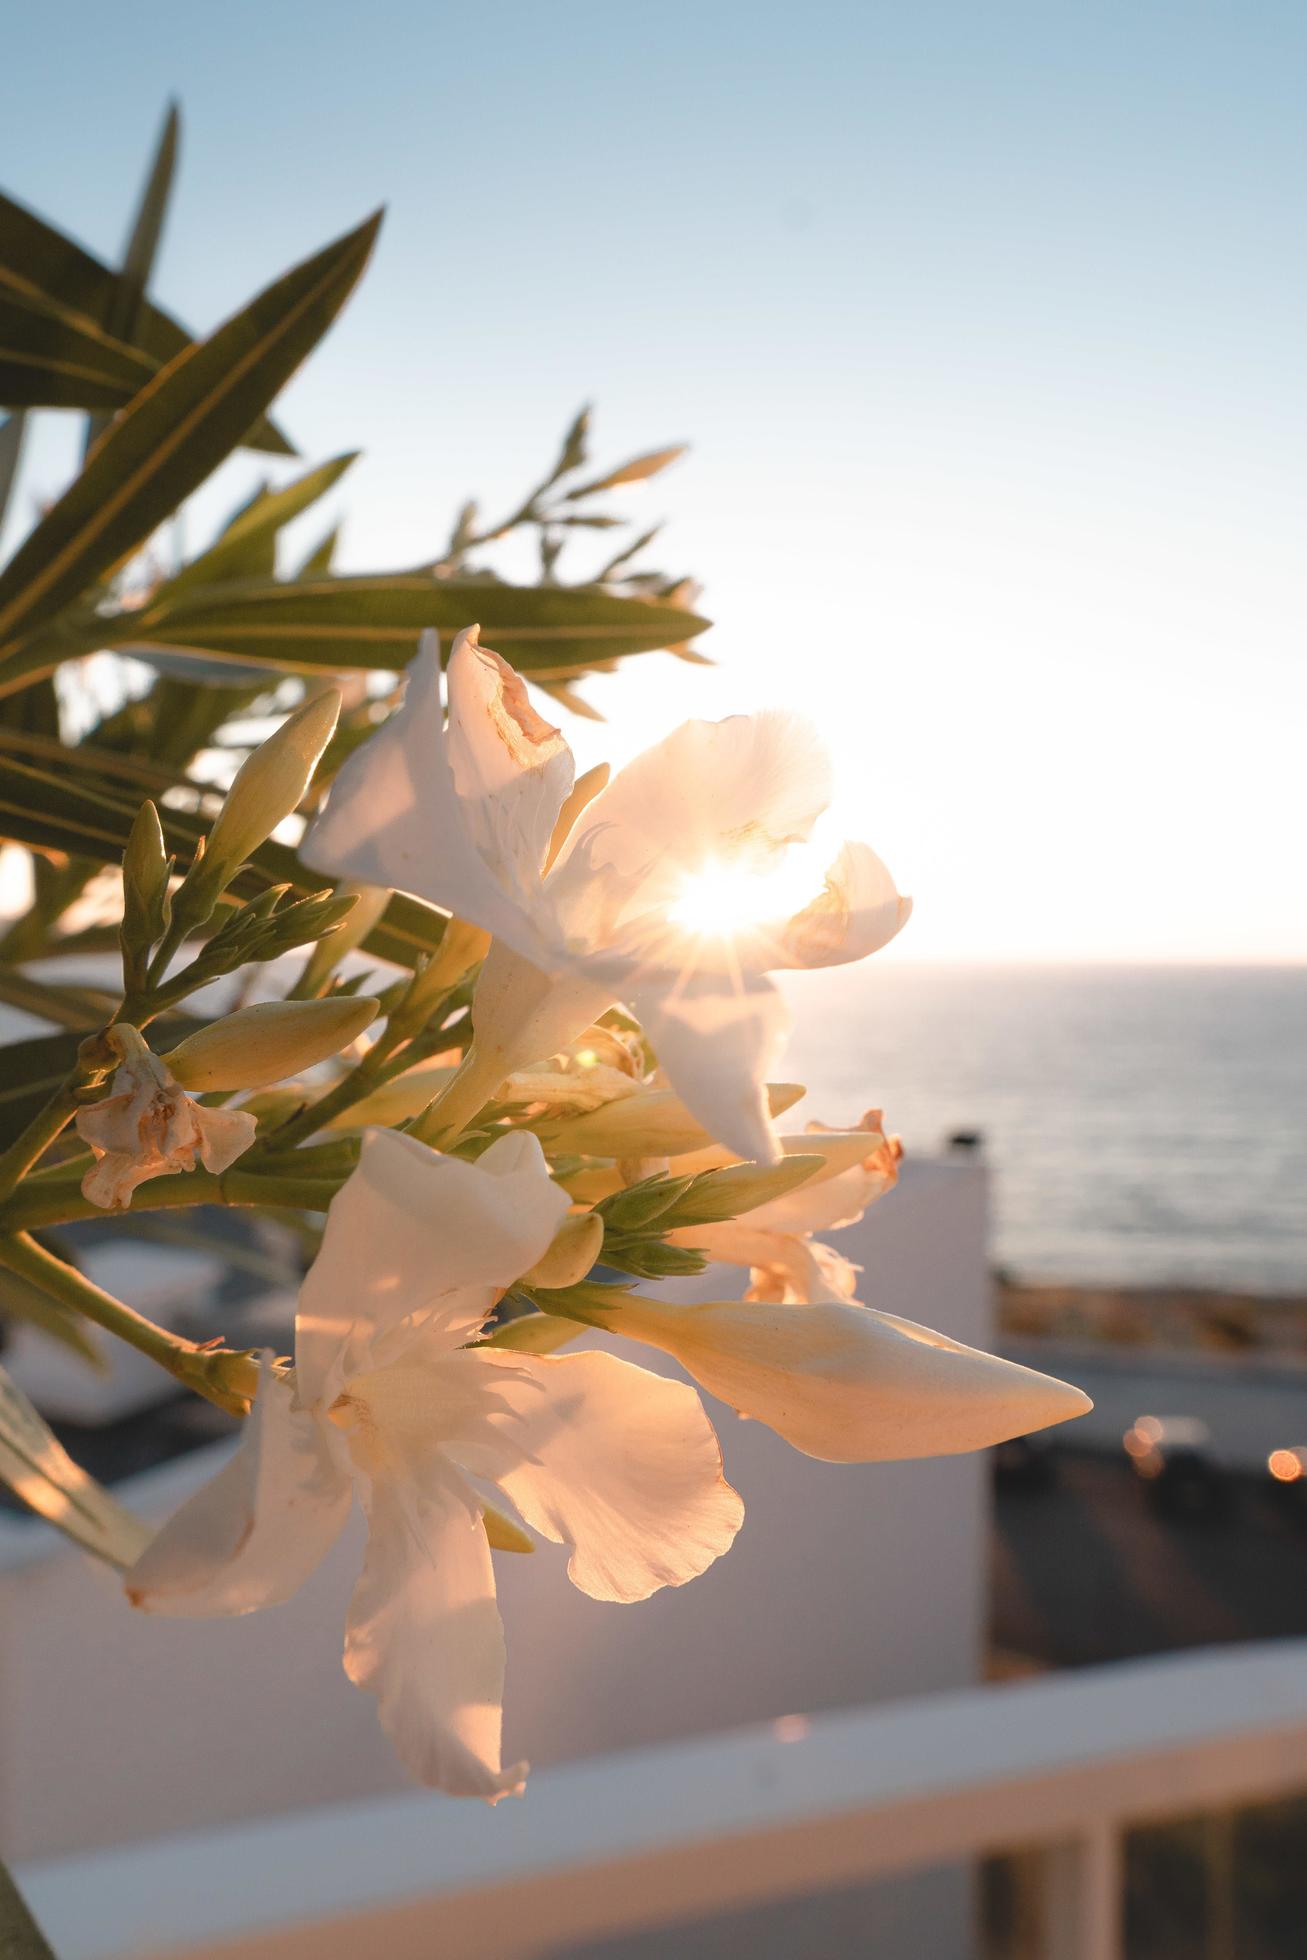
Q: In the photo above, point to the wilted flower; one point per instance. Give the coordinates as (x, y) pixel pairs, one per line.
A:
(617, 1463)
(465, 818)
(149, 1127)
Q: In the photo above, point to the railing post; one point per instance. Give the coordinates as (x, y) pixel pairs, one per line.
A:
(1083, 1902)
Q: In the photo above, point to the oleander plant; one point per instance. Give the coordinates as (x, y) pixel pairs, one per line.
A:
(493, 1046)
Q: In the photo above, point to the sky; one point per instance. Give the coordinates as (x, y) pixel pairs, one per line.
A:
(986, 325)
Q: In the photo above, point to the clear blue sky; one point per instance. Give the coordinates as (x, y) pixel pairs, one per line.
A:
(988, 325)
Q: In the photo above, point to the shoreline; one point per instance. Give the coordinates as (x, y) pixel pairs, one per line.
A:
(1156, 1319)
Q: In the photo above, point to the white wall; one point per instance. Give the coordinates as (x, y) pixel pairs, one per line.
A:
(846, 1586)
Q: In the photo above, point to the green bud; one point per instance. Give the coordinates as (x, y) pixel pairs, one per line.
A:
(263, 1044)
(146, 869)
(650, 1258)
(640, 1204)
(269, 785)
(715, 1195)
(589, 1300)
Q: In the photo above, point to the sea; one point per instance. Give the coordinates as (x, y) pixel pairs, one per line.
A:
(1145, 1126)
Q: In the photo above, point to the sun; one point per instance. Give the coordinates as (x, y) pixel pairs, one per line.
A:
(723, 899)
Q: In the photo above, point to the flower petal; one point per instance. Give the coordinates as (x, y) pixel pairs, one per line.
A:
(621, 1465)
(859, 911)
(224, 1135)
(718, 1043)
(735, 791)
(253, 1534)
(512, 772)
(424, 1634)
(784, 1267)
(847, 1384)
(395, 815)
(416, 1241)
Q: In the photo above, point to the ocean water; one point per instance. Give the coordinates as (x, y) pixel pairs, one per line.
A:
(1145, 1125)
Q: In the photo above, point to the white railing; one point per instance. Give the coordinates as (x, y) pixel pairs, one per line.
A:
(1057, 1768)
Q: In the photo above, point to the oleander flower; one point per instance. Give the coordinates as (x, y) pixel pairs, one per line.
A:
(787, 1265)
(619, 1464)
(465, 818)
(149, 1127)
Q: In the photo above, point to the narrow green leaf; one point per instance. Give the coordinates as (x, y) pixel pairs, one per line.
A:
(251, 535)
(20, 1300)
(41, 808)
(178, 429)
(635, 471)
(53, 358)
(12, 431)
(375, 621)
(43, 263)
(37, 1469)
(122, 315)
(319, 561)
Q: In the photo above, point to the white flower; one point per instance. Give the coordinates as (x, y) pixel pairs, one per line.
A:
(774, 1240)
(617, 1463)
(149, 1127)
(465, 818)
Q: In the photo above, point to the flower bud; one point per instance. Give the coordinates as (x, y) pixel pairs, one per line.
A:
(146, 867)
(739, 1188)
(846, 1384)
(263, 1044)
(268, 786)
(577, 1244)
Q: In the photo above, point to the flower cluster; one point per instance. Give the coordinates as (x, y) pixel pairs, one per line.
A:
(609, 1112)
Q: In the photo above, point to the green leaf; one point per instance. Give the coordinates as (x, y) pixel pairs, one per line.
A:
(319, 561)
(12, 431)
(30, 1071)
(20, 1300)
(44, 810)
(178, 429)
(246, 547)
(43, 264)
(82, 1008)
(52, 358)
(635, 471)
(374, 622)
(37, 1469)
(122, 315)
(574, 451)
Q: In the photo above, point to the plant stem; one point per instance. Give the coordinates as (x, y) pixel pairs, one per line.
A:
(20, 1936)
(40, 1133)
(51, 1201)
(220, 1374)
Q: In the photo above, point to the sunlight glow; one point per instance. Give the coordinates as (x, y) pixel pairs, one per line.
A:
(724, 897)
